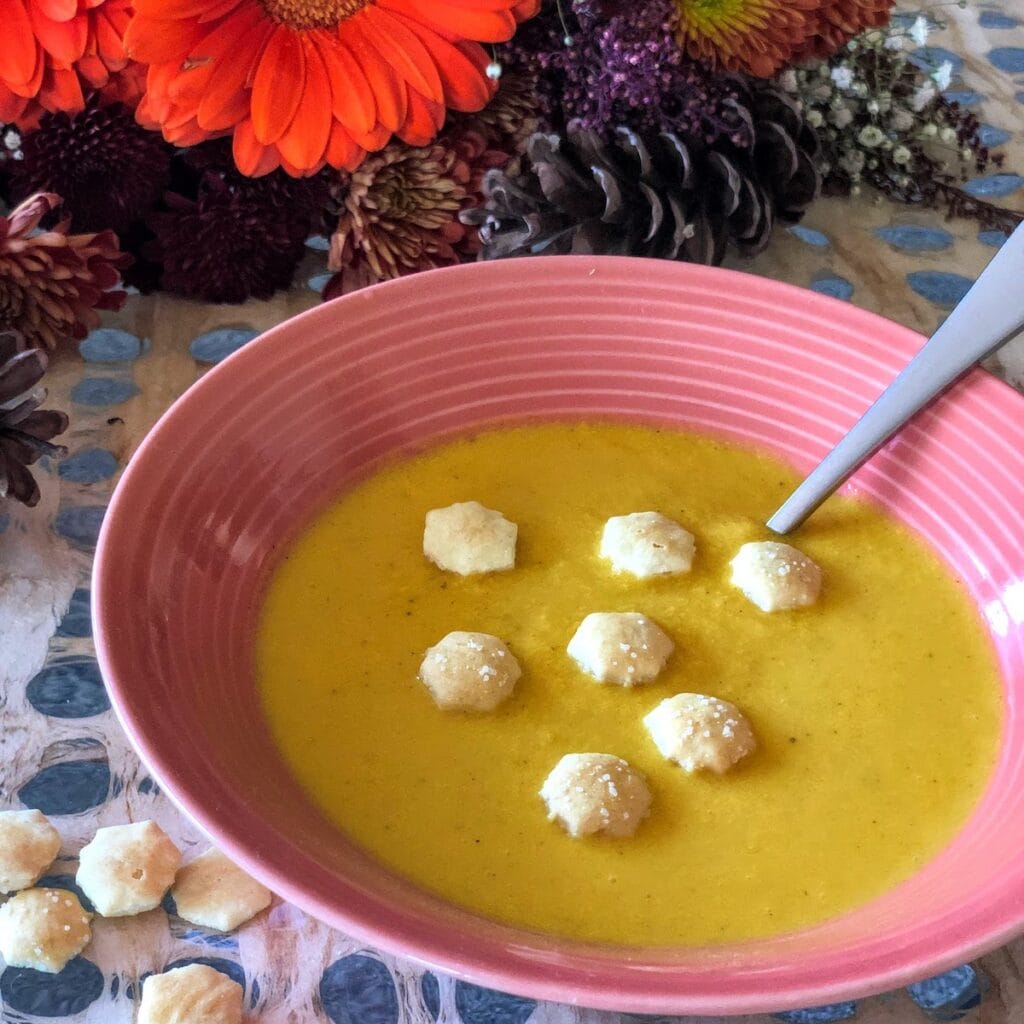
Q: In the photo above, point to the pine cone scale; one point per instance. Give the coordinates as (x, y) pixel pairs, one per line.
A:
(658, 195)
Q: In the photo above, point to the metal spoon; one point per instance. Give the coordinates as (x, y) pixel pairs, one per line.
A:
(989, 315)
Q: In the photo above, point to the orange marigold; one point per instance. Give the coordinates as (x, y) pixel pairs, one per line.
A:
(53, 52)
(762, 36)
(304, 83)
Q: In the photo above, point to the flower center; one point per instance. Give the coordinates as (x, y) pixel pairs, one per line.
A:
(301, 14)
(715, 18)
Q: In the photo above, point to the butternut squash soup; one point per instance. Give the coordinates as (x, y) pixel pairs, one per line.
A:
(876, 710)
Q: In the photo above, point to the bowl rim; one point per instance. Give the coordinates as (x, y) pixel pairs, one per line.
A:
(444, 951)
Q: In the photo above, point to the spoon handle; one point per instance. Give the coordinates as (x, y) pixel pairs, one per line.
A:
(989, 314)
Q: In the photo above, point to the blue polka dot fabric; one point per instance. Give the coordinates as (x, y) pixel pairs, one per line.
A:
(74, 763)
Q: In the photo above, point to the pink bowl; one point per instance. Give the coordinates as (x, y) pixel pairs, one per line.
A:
(237, 466)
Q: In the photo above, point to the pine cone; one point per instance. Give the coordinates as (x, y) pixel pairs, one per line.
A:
(25, 430)
(657, 195)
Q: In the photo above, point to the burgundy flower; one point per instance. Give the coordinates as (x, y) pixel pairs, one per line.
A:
(222, 237)
(108, 170)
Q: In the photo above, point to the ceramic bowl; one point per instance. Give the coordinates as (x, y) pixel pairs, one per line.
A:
(279, 429)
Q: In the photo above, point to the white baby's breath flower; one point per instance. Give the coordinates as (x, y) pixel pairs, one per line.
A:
(814, 118)
(871, 136)
(947, 134)
(919, 30)
(894, 42)
(943, 74)
(923, 95)
(852, 161)
(902, 120)
(841, 117)
(842, 76)
(901, 155)
(787, 80)
(12, 140)
(930, 130)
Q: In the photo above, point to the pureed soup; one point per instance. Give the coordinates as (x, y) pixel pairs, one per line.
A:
(876, 710)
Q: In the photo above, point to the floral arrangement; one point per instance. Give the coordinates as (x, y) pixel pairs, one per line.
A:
(195, 145)
(214, 136)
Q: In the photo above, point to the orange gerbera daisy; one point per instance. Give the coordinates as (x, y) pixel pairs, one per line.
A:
(54, 51)
(304, 83)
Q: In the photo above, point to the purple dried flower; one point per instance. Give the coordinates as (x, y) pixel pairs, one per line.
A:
(604, 67)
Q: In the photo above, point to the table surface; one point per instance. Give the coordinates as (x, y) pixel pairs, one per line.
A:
(61, 748)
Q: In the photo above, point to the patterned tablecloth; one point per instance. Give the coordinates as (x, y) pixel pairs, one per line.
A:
(62, 751)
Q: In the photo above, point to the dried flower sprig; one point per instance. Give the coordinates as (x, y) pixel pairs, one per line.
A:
(884, 122)
(52, 282)
(598, 68)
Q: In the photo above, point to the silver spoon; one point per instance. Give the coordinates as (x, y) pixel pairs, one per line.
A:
(989, 315)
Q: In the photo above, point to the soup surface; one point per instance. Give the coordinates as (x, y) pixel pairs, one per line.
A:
(877, 710)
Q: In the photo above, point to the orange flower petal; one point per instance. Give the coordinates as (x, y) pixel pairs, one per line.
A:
(525, 9)
(61, 90)
(423, 121)
(302, 172)
(30, 89)
(304, 143)
(153, 41)
(171, 10)
(388, 91)
(402, 49)
(58, 10)
(219, 10)
(12, 108)
(109, 41)
(462, 70)
(251, 156)
(342, 150)
(277, 86)
(458, 22)
(93, 71)
(144, 114)
(219, 44)
(352, 100)
(226, 101)
(179, 117)
(63, 40)
(126, 87)
(188, 133)
(376, 138)
(17, 43)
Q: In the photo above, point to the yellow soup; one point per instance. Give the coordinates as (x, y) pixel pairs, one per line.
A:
(877, 711)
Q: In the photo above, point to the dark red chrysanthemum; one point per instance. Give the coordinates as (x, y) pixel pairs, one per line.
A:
(108, 170)
(227, 238)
